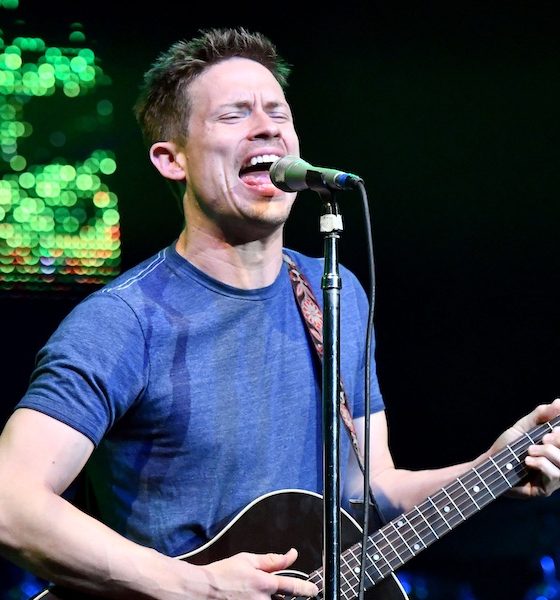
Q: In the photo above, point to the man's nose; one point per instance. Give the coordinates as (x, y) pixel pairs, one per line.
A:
(263, 125)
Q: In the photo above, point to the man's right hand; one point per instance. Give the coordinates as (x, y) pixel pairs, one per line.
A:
(248, 576)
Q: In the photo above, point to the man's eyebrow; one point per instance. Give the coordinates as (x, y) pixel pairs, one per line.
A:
(248, 103)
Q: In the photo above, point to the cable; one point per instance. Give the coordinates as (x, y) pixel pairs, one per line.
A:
(367, 493)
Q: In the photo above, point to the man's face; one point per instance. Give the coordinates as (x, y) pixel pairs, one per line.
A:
(239, 118)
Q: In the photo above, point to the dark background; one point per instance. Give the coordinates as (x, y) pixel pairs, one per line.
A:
(450, 114)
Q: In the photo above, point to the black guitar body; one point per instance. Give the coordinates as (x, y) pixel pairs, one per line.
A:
(275, 522)
(286, 519)
(280, 521)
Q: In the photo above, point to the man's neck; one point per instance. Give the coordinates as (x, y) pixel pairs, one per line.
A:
(249, 265)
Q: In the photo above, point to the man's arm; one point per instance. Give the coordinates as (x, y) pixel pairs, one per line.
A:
(47, 535)
(399, 490)
(396, 490)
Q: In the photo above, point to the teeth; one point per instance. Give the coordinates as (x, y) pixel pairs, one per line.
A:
(263, 158)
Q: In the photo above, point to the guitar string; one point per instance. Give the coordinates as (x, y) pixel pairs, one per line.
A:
(444, 523)
(441, 523)
(494, 466)
(399, 556)
(347, 585)
(478, 475)
(451, 519)
(483, 470)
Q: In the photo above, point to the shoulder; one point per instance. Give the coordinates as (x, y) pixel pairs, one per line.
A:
(118, 304)
(144, 274)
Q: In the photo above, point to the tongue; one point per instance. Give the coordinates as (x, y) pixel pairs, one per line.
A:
(256, 178)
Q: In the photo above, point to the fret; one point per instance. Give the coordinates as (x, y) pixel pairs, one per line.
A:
(395, 552)
(526, 434)
(345, 583)
(397, 528)
(500, 471)
(427, 523)
(511, 450)
(516, 470)
(355, 559)
(454, 504)
(416, 546)
(446, 509)
(355, 551)
(317, 578)
(347, 594)
(468, 493)
(375, 558)
(485, 484)
(513, 471)
(471, 478)
(463, 500)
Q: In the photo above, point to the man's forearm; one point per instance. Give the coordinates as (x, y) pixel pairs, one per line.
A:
(51, 538)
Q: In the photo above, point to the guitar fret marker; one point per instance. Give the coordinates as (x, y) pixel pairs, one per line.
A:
(391, 546)
(446, 509)
(509, 466)
(476, 489)
(500, 471)
(416, 547)
(475, 502)
(454, 504)
(403, 538)
(439, 512)
(484, 482)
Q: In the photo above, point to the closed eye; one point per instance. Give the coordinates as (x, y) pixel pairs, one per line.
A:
(234, 115)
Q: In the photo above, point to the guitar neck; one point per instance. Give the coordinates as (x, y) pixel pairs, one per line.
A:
(404, 537)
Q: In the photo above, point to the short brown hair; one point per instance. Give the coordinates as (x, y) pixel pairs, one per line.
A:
(163, 106)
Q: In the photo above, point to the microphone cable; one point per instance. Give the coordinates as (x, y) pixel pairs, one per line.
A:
(367, 493)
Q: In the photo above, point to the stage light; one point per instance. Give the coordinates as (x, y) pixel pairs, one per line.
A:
(59, 218)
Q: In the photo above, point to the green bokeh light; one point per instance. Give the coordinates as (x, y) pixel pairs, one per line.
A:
(59, 220)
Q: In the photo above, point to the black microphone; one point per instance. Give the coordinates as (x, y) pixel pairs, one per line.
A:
(292, 174)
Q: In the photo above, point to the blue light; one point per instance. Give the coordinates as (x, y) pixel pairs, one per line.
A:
(548, 566)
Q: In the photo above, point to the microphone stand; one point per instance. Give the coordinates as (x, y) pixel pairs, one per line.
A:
(330, 227)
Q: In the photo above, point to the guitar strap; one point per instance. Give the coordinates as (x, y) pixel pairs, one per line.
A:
(313, 318)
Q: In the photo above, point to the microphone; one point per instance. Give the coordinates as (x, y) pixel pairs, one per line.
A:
(292, 174)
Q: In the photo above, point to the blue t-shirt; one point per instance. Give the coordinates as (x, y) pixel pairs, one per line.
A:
(199, 397)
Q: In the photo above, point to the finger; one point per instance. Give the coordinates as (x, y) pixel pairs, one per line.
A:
(550, 447)
(540, 414)
(545, 412)
(550, 473)
(292, 586)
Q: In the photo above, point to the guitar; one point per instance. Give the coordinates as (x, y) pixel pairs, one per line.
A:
(282, 519)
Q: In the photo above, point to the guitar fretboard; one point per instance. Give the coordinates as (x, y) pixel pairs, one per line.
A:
(404, 537)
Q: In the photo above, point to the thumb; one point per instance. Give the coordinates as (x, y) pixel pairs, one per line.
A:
(276, 562)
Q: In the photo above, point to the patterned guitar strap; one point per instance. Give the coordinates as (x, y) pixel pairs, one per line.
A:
(313, 318)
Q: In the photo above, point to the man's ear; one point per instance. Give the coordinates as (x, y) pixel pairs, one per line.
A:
(168, 160)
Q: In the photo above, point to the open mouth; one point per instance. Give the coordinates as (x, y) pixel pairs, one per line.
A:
(258, 164)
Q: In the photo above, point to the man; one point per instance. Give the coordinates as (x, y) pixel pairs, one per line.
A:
(188, 386)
